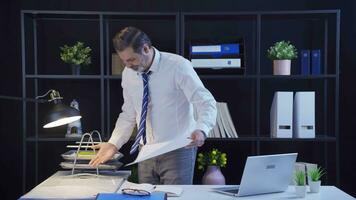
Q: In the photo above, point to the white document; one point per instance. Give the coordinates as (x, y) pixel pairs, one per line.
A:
(304, 115)
(281, 115)
(172, 191)
(152, 150)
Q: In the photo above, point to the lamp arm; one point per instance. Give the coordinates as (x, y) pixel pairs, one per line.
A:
(54, 95)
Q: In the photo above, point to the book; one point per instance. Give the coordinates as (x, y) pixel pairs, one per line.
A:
(305, 61)
(224, 127)
(316, 61)
(171, 191)
(116, 196)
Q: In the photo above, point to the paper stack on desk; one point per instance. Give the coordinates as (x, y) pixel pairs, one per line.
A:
(83, 158)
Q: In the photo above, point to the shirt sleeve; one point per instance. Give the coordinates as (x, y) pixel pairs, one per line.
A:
(126, 120)
(203, 101)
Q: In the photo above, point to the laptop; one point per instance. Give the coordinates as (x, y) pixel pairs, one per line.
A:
(264, 174)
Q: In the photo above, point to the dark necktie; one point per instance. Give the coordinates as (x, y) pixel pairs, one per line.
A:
(142, 127)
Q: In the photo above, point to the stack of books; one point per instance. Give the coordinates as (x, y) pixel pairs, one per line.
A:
(224, 127)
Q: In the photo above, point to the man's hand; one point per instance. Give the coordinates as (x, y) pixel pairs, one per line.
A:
(106, 152)
(198, 139)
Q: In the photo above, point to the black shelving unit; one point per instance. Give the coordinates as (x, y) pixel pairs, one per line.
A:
(182, 27)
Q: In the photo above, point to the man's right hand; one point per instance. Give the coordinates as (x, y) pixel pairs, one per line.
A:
(105, 153)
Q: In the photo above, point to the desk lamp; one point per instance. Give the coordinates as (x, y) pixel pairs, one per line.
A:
(59, 114)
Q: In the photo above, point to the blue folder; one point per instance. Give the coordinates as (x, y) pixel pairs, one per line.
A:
(316, 62)
(224, 49)
(305, 61)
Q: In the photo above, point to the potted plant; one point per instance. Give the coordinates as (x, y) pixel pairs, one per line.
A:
(77, 55)
(300, 187)
(315, 182)
(212, 161)
(282, 53)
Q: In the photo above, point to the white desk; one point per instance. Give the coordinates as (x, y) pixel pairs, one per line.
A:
(203, 192)
(59, 186)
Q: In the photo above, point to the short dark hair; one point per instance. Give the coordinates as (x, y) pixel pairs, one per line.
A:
(131, 37)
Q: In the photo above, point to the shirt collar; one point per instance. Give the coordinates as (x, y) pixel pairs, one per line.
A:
(155, 63)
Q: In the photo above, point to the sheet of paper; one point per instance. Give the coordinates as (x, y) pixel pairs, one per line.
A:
(152, 150)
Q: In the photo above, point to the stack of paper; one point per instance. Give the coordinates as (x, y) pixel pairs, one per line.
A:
(83, 158)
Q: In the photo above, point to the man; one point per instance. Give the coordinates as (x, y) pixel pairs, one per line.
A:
(160, 91)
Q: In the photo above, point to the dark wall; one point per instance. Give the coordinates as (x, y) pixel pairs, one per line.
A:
(10, 111)
(10, 63)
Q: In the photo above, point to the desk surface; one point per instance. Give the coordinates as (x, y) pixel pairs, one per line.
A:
(204, 192)
(59, 186)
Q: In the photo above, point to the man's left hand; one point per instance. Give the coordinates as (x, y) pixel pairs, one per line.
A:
(198, 139)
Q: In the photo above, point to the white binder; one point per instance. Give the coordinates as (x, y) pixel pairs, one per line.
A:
(304, 115)
(281, 115)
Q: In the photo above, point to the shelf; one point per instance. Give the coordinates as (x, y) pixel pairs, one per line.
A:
(118, 77)
(247, 139)
(252, 83)
(63, 76)
(33, 139)
(237, 76)
(269, 139)
(56, 139)
(300, 12)
(297, 76)
(203, 76)
(318, 138)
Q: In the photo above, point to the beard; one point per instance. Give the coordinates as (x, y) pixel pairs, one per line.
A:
(142, 67)
(138, 68)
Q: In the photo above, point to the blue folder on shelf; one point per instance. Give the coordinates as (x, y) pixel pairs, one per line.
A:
(316, 62)
(117, 196)
(215, 51)
(305, 61)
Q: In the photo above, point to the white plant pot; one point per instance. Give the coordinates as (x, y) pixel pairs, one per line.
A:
(314, 186)
(300, 191)
(281, 67)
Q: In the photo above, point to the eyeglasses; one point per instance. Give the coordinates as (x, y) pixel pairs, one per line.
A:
(136, 192)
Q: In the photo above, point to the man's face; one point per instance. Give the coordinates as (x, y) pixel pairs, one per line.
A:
(133, 60)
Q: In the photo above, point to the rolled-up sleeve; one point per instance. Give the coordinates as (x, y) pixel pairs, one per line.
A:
(125, 122)
(203, 101)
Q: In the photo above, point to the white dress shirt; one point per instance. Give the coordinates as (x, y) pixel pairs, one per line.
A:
(174, 89)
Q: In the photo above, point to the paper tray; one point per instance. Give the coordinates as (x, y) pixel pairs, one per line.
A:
(70, 155)
(70, 165)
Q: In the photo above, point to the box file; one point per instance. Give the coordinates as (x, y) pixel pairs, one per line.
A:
(281, 115)
(304, 115)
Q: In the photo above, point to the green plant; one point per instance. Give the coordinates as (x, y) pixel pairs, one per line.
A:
(213, 157)
(282, 50)
(299, 178)
(316, 174)
(77, 54)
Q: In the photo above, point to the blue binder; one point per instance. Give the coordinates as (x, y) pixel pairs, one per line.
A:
(116, 196)
(215, 51)
(305, 61)
(316, 61)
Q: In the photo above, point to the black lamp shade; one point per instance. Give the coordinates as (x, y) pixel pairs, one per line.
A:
(61, 114)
